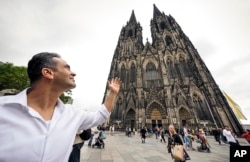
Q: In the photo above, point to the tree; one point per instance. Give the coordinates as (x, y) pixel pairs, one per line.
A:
(13, 77)
(66, 96)
(16, 77)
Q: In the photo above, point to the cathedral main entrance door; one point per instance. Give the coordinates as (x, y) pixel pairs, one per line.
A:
(185, 117)
(156, 123)
(156, 118)
(130, 119)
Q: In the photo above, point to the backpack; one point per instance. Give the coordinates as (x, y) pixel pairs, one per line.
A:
(182, 132)
(85, 135)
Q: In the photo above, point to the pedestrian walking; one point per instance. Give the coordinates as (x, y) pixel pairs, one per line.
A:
(162, 134)
(93, 132)
(175, 139)
(216, 134)
(143, 132)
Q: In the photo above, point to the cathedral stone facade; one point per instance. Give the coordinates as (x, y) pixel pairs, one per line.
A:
(166, 81)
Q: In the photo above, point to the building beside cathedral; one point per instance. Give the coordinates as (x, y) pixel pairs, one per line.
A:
(166, 81)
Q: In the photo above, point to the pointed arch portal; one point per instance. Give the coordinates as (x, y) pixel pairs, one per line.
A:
(184, 115)
(156, 116)
(130, 118)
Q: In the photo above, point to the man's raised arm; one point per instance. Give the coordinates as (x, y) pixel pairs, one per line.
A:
(113, 89)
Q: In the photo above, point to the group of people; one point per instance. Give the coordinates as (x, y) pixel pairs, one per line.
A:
(128, 131)
(225, 135)
(184, 138)
(187, 137)
(160, 133)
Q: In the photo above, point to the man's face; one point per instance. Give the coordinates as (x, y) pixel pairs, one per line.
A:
(63, 76)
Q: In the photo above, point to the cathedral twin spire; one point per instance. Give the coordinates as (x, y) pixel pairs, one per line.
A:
(164, 81)
(156, 12)
(132, 19)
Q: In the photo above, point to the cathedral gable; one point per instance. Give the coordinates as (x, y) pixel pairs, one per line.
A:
(132, 61)
(146, 61)
(168, 52)
(131, 103)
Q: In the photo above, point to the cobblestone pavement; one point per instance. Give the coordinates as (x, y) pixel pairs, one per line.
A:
(120, 148)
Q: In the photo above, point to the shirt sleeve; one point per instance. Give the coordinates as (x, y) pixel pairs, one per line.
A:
(92, 119)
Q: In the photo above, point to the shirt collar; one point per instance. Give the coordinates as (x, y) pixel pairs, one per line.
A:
(21, 98)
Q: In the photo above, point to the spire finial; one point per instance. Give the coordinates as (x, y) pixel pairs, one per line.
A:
(157, 12)
(132, 18)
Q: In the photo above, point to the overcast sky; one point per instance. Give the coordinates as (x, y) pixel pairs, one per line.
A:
(85, 34)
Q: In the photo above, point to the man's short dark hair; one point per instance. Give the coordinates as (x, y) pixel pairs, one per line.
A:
(38, 62)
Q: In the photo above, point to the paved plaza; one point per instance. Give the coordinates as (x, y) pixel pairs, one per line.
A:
(120, 148)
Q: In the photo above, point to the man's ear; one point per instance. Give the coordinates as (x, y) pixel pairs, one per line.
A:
(48, 73)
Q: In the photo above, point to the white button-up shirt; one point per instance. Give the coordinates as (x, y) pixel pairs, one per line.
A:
(228, 135)
(26, 137)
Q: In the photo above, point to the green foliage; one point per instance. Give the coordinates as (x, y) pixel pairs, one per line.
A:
(16, 77)
(13, 77)
(66, 96)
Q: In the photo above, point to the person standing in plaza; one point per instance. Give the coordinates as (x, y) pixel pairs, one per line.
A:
(113, 130)
(246, 134)
(186, 137)
(129, 131)
(81, 136)
(143, 132)
(216, 134)
(93, 132)
(230, 138)
(35, 124)
(175, 139)
(162, 133)
(156, 132)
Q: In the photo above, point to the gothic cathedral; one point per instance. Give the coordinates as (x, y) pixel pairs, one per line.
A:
(165, 82)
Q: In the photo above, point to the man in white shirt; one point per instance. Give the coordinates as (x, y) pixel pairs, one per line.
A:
(35, 125)
(230, 138)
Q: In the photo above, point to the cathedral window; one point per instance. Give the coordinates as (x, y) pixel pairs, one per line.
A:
(117, 111)
(200, 108)
(183, 67)
(168, 40)
(130, 33)
(152, 77)
(170, 68)
(132, 74)
(163, 26)
(123, 74)
(129, 49)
